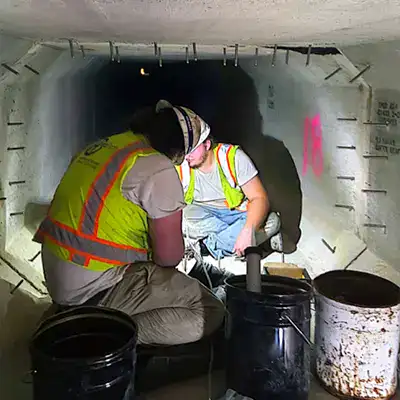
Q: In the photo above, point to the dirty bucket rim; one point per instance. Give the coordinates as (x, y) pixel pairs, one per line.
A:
(316, 284)
(69, 315)
(305, 289)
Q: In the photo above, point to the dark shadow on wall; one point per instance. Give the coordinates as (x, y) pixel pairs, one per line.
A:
(239, 121)
(227, 99)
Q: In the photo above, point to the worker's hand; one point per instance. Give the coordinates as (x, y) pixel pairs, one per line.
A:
(243, 241)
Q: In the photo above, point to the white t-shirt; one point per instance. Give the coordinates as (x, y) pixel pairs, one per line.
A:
(208, 189)
(153, 184)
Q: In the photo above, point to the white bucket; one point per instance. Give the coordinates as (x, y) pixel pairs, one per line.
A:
(357, 334)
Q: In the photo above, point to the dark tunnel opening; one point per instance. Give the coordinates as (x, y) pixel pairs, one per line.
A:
(226, 97)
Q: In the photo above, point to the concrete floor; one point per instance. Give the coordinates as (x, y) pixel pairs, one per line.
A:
(14, 366)
(18, 319)
(197, 389)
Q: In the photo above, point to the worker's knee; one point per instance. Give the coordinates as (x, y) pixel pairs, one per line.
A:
(206, 324)
(174, 326)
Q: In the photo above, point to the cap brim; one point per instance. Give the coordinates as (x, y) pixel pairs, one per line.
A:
(204, 127)
(204, 133)
(162, 105)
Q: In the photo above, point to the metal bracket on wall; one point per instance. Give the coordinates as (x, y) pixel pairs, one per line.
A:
(17, 286)
(34, 257)
(236, 55)
(117, 56)
(187, 54)
(256, 57)
(273, 62)
(382, 226)
(309, 55)
(83, 51)
(363, 71)
(356, 257)
(374, 191)
(350, 208)
(346, 119)
(71, 48)
(14, 214)
(287, 56)
(8, 68)
(224, 54)
(14, 123)
(346, 147)
(387, 123)
(333, 73)
(331, 249)
(155, 49)
(29, 68)
(111, 46)
(195, 52)
(160, 62)
(24, 277)
(375, 156)
(15, 148)
(11, 183)
(346, 178)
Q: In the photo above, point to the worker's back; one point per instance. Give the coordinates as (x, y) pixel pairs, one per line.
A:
(90, 222)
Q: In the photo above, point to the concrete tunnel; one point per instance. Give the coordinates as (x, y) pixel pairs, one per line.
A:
(320, 123)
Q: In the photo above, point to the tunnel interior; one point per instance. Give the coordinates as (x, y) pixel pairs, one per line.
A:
(302, 126)
(309, 120)
(225, 97)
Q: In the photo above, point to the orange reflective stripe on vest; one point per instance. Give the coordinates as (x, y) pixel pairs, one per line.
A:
(83, 243)
(180, 172)
(101, 187)
(225, 159)
(230, 166)
(84, 247)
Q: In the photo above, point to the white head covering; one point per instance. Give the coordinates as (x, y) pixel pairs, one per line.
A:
(195, 129)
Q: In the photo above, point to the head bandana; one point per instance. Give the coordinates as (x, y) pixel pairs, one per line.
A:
(195, 129)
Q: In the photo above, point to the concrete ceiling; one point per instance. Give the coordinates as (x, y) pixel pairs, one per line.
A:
(255, 22)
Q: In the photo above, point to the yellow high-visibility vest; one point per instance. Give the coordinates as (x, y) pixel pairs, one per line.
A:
(225, 158)
(90, 223)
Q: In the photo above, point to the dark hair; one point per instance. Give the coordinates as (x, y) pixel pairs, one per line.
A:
(213, 143)
(162, 129)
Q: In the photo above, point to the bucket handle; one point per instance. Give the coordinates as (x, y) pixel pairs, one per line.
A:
(299, 331)
(92, 388)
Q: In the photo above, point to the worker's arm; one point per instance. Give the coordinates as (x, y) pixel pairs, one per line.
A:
(153, 184)
(167, 240)
(257, 211)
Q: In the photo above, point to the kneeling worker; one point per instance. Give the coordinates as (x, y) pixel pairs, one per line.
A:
(113, 234)
(228, 207)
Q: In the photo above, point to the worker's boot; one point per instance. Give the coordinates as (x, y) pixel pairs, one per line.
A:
(208, 274)
(271, 227)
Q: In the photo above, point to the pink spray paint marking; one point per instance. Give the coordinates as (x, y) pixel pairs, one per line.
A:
(313, 134)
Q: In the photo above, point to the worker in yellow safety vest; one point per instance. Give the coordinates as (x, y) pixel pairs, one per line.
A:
(113, 232)
(227, 206)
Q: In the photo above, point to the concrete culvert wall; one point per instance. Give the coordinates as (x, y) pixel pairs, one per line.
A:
(307, 135)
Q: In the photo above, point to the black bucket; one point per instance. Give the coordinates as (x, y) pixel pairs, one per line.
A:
(267, 357)
(87, 353)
